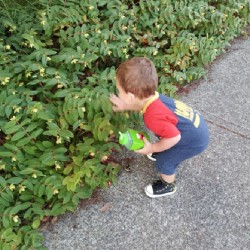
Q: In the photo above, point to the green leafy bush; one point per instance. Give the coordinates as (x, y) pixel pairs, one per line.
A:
(57, 68)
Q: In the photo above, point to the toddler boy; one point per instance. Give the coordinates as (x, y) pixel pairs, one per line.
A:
(182, 131)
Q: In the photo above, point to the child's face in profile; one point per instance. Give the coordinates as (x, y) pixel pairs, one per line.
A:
(125, 97)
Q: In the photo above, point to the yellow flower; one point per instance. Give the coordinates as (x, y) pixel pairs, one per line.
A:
(34, 110)
(6, 79)
(2, 166)
(58, 140)
(12, 187)
(91, 7)
(104, 158)
(17, 109)
(34, 175)
(15, 218)
(13, 158)
(7, 47)
(155, 52)
(59, 86)
(57, 165)
(28, 74)
(43, 22)
(55, 191)
(74, 61)
(21, 189)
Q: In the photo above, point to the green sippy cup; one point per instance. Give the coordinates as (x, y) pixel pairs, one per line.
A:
(132, 139)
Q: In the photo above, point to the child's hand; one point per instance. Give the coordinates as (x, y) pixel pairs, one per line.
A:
(118, 104)
(147, 149)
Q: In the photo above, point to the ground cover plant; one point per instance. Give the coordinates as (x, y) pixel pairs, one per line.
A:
(57, 68)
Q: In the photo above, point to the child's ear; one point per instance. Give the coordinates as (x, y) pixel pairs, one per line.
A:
(131, 96)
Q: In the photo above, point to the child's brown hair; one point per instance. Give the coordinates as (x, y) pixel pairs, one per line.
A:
(138, 76)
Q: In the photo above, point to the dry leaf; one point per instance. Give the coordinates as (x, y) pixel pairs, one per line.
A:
(54, 220)
(106, 207)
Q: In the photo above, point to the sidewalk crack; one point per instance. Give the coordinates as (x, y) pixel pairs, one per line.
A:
(228, 129)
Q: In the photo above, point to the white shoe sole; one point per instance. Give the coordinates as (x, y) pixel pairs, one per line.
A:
(150, 157)
(160, 195)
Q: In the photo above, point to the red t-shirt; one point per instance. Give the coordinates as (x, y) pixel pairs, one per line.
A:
(161, 120)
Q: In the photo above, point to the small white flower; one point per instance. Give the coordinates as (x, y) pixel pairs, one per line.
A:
(155, 52)
(34, 110)
(74, 61)
(15, 218)
(34, 175)
(43, 22)
(59, 86)
(55, 191)
(58, 140)
(12, 187)
(13, 158)
(57, 165)
(2, 166)
(21, 189)
(91, 7)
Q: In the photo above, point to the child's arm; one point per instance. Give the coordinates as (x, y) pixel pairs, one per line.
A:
(163, 144)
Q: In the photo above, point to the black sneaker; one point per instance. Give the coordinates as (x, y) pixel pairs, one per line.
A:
(152, 156)
(160, 188)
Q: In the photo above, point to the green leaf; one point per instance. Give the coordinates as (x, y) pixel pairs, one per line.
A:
(2, 182)
(36, 223)
(18, 136)
(27, 171)
(41, 190)
(23, 142)
(15, 180)
(57, 209)
(5, 154)
(36, 133)
(19, 207)
(6, 196)
(6, 219)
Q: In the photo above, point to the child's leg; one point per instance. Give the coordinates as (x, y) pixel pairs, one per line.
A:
(168, 178)
(167, 163)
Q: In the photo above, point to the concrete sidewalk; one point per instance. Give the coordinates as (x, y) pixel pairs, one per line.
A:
(211, 207)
